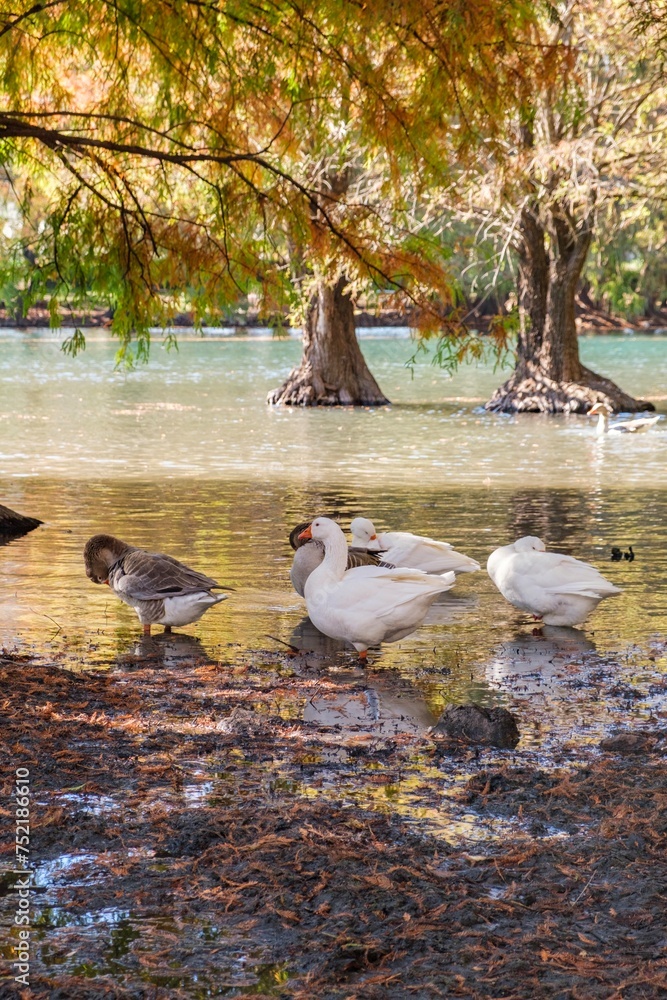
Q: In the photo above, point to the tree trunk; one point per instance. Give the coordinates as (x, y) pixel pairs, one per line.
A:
(533, 286)
(549, 377)
(332, 371)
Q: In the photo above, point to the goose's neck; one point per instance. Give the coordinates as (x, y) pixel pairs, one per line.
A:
(372, 545)
(335, 555)
(603, 423)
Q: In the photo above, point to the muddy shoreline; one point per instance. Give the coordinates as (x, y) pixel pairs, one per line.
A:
(191, 842)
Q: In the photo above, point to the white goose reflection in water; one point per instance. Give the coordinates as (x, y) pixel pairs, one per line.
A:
(451, 608)
(375, 711)
(308, 639)
(537, 659)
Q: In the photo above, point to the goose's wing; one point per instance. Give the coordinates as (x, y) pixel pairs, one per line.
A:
(390, 588)
(634, 426)
(421, 552)
(149, 576)
(357, 556)
(555, 573)
(643, 423)
(428, 587)
(403, 544)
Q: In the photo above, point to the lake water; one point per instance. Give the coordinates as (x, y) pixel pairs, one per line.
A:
(184, 456)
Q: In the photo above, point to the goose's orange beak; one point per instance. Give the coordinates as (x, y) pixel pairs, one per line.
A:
(373, 537)
(306, 533)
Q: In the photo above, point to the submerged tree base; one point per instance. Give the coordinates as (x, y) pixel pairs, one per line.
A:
(306, 387)
(529, 390)
(333, 371)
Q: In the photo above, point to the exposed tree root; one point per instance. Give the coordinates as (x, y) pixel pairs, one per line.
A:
(529, 390)
(305, 387)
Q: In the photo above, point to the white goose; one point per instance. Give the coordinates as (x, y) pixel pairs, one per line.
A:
(415, 551)
(162, 590)
(369, 604)
(557, 589)
(603, 412)
(309, 553)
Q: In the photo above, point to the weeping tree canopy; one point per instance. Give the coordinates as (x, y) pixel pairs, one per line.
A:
(169, 154)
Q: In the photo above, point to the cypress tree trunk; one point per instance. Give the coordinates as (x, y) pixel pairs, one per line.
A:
(332, 371)
(549, 376)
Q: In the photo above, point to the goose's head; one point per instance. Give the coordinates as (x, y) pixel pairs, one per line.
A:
(600, 408)
(295, 539)
(321, 529)
(529, 543)
(363, 530)
(99, 555)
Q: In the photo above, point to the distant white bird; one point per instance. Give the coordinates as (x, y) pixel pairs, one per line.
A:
(162, 590)
(369, 604)
(415, 551)
(555, 588)
(309, 553)
(603, 412)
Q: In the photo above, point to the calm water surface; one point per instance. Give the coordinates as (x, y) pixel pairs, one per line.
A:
(184, 456)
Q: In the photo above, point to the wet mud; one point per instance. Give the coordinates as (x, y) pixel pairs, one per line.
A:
(234, 828)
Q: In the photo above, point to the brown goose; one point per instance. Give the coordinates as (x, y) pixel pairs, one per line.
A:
(309, 553)
(162, 590)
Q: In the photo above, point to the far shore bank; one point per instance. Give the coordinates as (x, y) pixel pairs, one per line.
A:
(588, 320)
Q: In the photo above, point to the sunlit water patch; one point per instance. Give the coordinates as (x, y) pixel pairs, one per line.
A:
(472, 647)
(201, 413)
